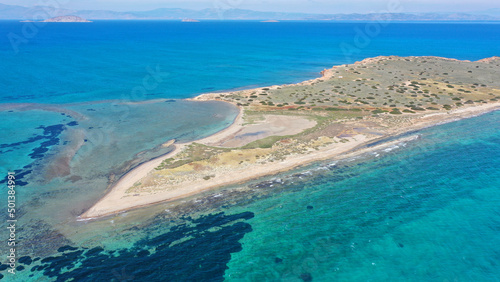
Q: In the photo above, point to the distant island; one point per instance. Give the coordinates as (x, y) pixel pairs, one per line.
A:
(67, 19)
(271, 21)
(190, 21)
(15, 12)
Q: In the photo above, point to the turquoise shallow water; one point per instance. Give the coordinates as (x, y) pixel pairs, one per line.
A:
(426, 212)
(423, 211)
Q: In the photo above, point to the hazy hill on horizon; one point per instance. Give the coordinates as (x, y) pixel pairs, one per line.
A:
(14, 12)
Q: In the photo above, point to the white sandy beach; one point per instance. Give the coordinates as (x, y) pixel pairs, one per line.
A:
(118, 200)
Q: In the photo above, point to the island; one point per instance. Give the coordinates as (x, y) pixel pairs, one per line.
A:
(67, 19)
(190, 21)
(350, 110)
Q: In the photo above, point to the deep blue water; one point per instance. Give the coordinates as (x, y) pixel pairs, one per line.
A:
(425, 211)
(108, 60)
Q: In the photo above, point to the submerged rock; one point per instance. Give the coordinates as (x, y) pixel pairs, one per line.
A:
(25, 260)
(306, 277)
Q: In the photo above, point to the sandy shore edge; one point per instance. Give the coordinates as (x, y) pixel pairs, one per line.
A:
(114, 201)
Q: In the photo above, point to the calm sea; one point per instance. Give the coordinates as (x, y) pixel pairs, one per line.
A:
(107, 94)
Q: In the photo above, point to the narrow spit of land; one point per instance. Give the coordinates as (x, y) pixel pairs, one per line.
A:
(284, 126)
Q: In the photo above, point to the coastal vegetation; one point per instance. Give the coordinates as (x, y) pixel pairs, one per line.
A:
(341, 102)
(284, 126)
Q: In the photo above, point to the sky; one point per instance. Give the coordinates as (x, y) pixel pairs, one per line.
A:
(305, 6)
